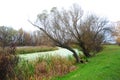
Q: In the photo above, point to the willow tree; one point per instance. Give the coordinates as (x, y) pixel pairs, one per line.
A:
(52, 25)
(92, 34)
(64, 26)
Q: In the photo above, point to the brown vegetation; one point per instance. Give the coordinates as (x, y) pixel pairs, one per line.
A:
(8, 61)
(45, 68)
(57, 66)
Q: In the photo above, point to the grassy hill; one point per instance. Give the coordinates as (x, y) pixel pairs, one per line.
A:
(104, 66)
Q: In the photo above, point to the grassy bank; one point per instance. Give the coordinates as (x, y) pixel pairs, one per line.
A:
(25, 50)
(104, 66)
(44, 68)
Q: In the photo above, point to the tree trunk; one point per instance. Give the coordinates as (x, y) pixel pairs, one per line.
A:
(3, 47)
(86, 53)
(74, 54)
(78, 60)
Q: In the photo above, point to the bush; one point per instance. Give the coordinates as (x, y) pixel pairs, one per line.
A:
(8, 62)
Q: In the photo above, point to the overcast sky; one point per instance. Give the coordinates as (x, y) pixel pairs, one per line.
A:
(15, 13)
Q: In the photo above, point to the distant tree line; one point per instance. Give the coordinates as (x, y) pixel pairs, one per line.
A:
(22, 38)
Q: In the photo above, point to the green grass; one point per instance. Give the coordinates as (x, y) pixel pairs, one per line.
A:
(25, 50)
(104, 66)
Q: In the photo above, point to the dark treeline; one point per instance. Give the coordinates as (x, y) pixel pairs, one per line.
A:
(35, 38)
(22, 38)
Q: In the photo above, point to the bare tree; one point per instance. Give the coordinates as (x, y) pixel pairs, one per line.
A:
(64, 26)
(88, 32)
(92, 34)
(7, 36)
(116, 32)
(52, 25)
(20, 34)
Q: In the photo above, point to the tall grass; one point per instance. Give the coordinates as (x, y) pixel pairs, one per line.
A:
(24, 70)
(25, 50)
(49, 66)
(44, 68)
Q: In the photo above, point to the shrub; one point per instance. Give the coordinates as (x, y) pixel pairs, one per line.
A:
(8, 61)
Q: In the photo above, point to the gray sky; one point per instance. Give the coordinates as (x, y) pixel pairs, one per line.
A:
(15, 13)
